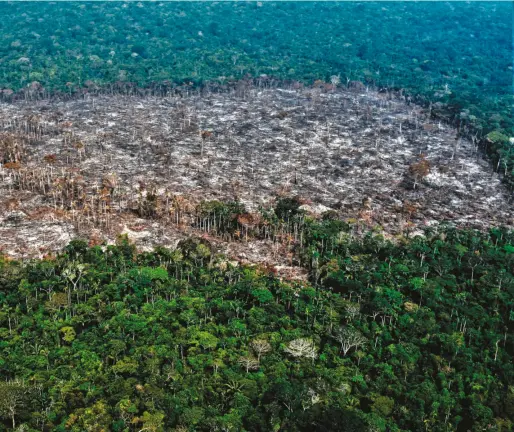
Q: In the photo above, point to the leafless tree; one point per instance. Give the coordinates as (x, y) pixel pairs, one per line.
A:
(260, 347)
(302, 348)
(249, 363)
(349, 337)
(13, 396)
(352, 310)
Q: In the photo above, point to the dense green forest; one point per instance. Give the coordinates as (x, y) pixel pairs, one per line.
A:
(454, 53)
(453, 56)
(411, 336)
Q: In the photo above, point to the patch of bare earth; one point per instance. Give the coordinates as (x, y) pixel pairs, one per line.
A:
(85, 167)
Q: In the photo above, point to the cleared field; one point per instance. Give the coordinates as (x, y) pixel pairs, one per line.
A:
(101, 166)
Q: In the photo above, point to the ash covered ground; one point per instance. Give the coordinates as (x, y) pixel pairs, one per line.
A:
(369, 156)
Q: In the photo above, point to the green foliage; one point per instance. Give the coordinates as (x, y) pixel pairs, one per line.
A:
(497, 137)
(165, 340)
(383, 405)
(287, 208)
(68, 334)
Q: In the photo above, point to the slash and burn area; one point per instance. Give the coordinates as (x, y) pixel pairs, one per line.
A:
(101, 166)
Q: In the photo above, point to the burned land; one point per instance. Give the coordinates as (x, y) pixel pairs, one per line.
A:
(99, 166)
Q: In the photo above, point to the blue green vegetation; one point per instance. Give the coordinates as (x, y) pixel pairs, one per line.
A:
(455, 56)
(459, 54)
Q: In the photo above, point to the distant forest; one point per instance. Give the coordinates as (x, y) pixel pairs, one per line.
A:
(455, 57)
(457, 53)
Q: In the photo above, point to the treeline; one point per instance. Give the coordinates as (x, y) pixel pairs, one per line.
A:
(412, 336)
(455, 58)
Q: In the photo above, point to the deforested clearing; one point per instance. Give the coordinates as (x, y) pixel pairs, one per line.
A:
(100, 166)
